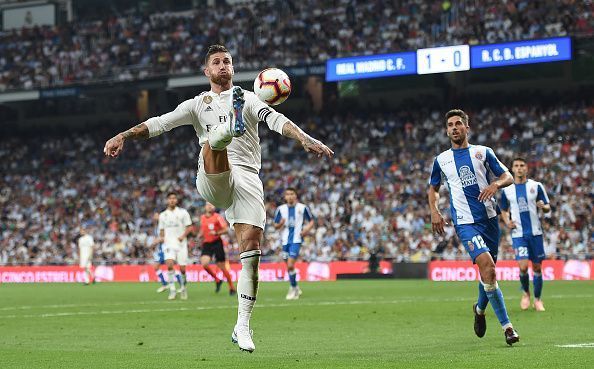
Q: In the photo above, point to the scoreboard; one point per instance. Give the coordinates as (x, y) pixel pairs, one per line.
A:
(449, 59)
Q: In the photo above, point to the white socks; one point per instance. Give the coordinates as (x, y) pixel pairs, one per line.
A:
(219, 137)
(247, 286)
(171, 279)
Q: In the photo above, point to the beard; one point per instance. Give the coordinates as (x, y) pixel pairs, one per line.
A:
(221, 80)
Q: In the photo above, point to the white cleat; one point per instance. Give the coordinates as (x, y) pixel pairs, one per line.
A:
(162, 289)
(291, 294)
(299, 292)
(172, 294)
(184, 293)
(242, 336)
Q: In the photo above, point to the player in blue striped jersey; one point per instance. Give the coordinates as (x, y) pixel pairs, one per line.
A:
(295, 220)
(158, 256)
(519, 205)
(468, 172)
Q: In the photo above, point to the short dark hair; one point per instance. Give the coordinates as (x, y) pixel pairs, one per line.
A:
(457, 112)
(171, 193)
(291, 189)
(213, 49)
(519, 158)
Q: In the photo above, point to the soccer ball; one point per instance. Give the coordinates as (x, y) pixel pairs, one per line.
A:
(272, 86)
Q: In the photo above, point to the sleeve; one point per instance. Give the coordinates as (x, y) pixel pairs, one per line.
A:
(435, 178)
(187, 219)
(161, 226)
(504, 201)
(494, 164)
(307, 216)
(182, 115)
(542, 194)
(222, 220)
(261, 112)
(277, 215)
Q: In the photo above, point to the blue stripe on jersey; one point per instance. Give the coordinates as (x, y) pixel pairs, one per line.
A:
(277, 216)
(452, 208)
(291, 224)
(462, 160)
(504, 202)
(435, 174)
(541, 195)
(307, 214)
(522, 199)
(493, 164)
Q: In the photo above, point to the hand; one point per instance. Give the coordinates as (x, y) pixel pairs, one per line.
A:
(180, 238)
(540, 204)
(281, 223)
(488, 192)
(437, 223)
(511, 225)
(114, 146)
(310, 144)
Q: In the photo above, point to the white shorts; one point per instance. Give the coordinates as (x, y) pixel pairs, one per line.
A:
(239, 191)
(86, 258)
(177, 253)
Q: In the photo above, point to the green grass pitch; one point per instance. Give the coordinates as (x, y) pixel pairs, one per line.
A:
(344, 324)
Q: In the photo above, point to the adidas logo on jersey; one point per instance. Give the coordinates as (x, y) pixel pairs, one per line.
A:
(208, 108)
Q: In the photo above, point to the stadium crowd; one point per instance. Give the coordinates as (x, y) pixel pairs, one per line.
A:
(264, 33)
(369, 200)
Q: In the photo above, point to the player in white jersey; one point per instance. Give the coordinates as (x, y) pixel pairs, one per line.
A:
(174, 227)
(296, 221)
(226, 122)
(85, 254)
(467, 170)
(519, 210)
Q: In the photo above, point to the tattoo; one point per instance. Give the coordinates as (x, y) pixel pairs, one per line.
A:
(291, 130)
(139, 131)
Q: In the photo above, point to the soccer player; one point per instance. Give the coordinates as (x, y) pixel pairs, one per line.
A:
(158, 256)
(523, 200)
(465, 169)
(174, 227)
(85, 253)
(226, 122)
(212, 227)
(290, 217)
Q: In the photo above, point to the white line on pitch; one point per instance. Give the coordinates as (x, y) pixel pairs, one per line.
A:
(577, 345)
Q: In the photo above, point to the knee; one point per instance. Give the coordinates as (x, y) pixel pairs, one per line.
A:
(488, 274)
(251, 243)
(536, 268)
(523, 269)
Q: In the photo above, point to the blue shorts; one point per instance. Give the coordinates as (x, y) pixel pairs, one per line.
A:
(159, 255)
(291, 250)
(529, 247)
(480, 237)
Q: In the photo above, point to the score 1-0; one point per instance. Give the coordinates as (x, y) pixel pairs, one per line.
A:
(443, 59)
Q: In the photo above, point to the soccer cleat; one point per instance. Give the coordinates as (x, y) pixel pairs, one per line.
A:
(299, 292)
(525, 302)
(480, 323)
(162, 289)
(184, 293)
(538, 305)
(172, 294)
(218, 283)
(290, 294)
(232, 292)
(238, 124)
(242, 336)
(511, 336)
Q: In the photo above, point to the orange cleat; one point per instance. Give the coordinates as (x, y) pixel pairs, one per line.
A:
(525, 302)
(538, 305)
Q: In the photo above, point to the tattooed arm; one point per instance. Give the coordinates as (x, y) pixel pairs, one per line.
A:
(115, 145)
(309, 143)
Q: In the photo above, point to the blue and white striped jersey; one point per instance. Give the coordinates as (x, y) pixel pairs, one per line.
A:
(520, 200)
(294, 217)
(467, 172)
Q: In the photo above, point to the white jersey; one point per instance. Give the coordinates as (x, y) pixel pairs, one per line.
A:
(520, 199)
(294, 217)
(173, 223)
(210, 109)
(467, 172)
(85, 244)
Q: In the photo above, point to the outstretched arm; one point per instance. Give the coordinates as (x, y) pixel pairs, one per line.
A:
(309, 143)
(115, 145)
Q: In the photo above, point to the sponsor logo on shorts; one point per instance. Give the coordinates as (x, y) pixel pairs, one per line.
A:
(470, 246)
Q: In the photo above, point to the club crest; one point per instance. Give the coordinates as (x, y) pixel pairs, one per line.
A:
(470, 246)
(207, 99)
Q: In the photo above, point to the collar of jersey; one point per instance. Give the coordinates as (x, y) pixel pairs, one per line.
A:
(463, 148)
